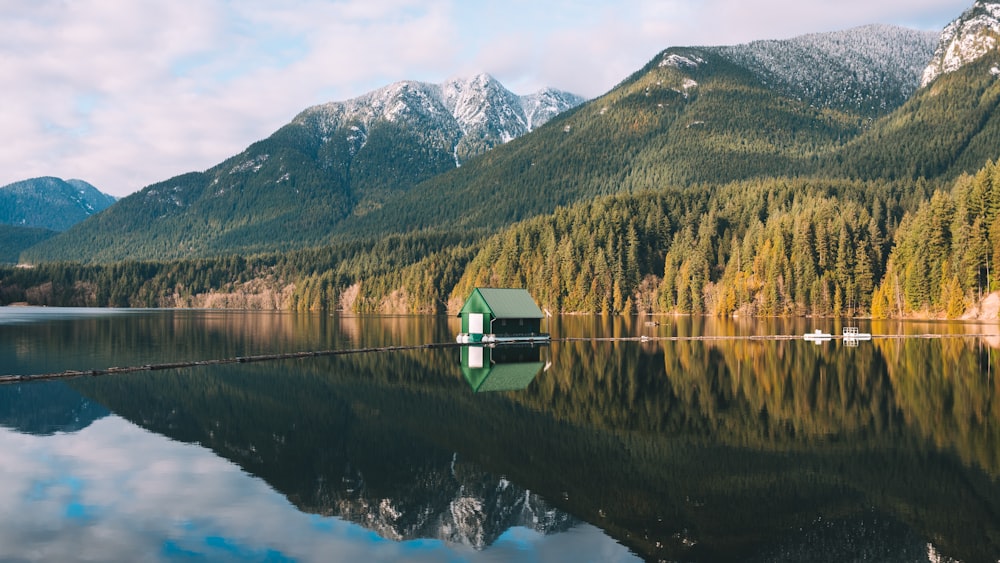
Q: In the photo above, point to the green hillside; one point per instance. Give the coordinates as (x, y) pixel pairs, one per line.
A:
(15, 239)
(950, 127)
(287, 191)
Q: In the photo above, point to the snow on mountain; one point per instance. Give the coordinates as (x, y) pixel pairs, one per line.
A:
(873, 68)
(965, 40)
(470, 115)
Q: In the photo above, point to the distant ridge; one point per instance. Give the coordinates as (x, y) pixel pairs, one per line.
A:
(50, 203)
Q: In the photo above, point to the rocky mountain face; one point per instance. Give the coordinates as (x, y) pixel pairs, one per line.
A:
(466, 116)
(965, 40)
(50, 203)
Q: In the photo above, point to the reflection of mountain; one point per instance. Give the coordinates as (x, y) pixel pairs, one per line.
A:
(681, 450)
(332, 450)
(460, 505)
(46, 408)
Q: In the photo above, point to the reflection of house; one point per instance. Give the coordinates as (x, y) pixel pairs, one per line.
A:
(503, 368)
(491, 314)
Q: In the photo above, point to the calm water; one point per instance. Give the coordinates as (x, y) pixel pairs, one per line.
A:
(725, 450)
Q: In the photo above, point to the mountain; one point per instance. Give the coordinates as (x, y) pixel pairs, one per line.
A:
(331, 162)
(965, 40)
(714, 179)
(950, 125)
(692, 115)
(50, 203)
(469, 116)
(388, 161)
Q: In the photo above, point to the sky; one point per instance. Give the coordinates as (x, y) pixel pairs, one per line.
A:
(126, 94)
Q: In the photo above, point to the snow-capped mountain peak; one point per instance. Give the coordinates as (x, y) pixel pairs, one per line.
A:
(968, 38)
(469, 115)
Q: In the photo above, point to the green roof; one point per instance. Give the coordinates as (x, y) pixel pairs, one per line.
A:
(507, 303)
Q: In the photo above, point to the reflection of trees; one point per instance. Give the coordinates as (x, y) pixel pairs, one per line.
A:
(947, 393)
(777, 394)
(876, 422)
(681, 450)
(140, 338)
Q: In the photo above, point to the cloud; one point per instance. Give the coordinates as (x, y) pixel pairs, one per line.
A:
(126, 94)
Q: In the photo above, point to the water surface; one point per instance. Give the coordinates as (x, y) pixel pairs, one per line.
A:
(732, 450)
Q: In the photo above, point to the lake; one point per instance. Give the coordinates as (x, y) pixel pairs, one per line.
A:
(673, 449)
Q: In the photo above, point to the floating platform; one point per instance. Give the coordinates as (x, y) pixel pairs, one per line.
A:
(473, 338)
(851, 333)
(818, 336)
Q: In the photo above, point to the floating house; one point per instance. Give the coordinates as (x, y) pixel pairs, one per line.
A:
(497, 315)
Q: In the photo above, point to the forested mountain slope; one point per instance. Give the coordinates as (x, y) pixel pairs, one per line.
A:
(691, 116)
(947, 128)
(291, 189)
(14, 240)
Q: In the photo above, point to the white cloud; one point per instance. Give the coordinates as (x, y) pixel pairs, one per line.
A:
(127, 94)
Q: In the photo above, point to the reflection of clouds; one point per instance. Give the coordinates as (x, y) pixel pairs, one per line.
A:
(113, 492)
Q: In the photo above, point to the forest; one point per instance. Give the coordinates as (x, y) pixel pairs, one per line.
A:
(775, 247)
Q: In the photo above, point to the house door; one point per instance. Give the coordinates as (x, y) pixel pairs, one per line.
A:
(475, 323)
